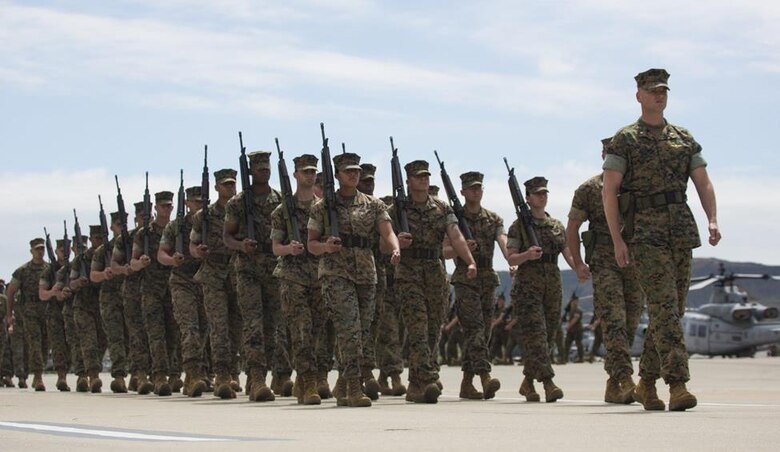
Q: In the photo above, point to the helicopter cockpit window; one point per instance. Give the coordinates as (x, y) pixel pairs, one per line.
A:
(702, 330)
(692, 330)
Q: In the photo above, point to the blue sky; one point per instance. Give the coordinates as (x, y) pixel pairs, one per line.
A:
(91, 89)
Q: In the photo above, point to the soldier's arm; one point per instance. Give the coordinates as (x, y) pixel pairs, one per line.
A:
(573, 244)
(447, 250)
(703, 184)
(165, 256)
(10, 292)
(612, 182)
(390, 240)
(461, 248)
(229, 232)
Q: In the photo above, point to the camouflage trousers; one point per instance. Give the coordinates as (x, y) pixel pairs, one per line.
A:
(112, 313)
(423, 308)
(223, 317)
(665, 275)
(258, 300)
(351, 308)
(35, 329)
(326, 345)
(379, 306)
(618, 301)
(190, 315)
(138, 342)
(161, 328)
(19, 348)
(536, 296)
(304, 313)
(73, 338)
(55, 325)
(474, 307)
(573, 336)
(89, 327)
(388, 340)
(282, 360)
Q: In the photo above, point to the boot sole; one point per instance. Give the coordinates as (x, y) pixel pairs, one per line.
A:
(164, 391)
(145, 389)
(225, 392)
(263, 395)
(555, 395)
(683, 405)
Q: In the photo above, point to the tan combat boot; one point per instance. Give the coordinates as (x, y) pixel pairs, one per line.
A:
(298, 389)
(260, 392)
(371, 387)
(414, 392)
(222, 387)
(340, 391)
(398, 387)
(355, 396)
(551, 391)
(627, 388)
(384, 388)
(161, 386)
(209, 380)
(645, 394)
(323, 388)
(144, 385)
(680, 399)
(23, 383)
(8, 382)
(431, 392)
(37, 382)
(286, 385)
(235, 383)
(175, 381)
(528, 391)
(612, 394)
(118, 385)
(132, 384)
(490, 385)
(310, 395)
(95, 384)
(467, 389)
(194, 386)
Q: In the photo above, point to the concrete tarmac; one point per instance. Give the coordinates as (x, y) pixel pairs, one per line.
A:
(739, 409)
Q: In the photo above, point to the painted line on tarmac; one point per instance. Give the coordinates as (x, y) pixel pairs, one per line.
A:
(591, 402)
(93, 432)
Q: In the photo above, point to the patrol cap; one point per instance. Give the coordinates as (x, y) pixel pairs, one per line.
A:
(84, 240)
(225, 175)
(115, 217)
(537, 184)
(139, 207)
(60, 243)
(605, 142)
(37, 242)
(260, 159)
(305, 162)
(194, 193)
(346, 161)
(433, 190)
(388, 200)
(417, 168)
(471, 178)
(367, 171)
(95, 229)
(652, 78)
(163, 198)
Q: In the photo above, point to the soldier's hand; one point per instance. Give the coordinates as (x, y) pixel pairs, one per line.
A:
(472, 245)
(178, 259)
(108, 273)
(66, 293)
(249, 246)
(404, 239)
(395, 257)
(621, 253)
(512, 270)
(145, 261)
(583, 272)
(332, 244)
(203, 251)
(296, 248)
(534, 253)
(471, 273)
(9, 320)
(714, 233)
(82, 281)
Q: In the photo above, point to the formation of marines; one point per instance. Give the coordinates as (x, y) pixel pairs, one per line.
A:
(266, 281)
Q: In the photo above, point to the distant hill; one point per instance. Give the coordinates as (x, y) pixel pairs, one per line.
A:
(767, 292)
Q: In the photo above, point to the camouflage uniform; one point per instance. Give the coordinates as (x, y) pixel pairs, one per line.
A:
(111, 312)
(86, 315)
(157, 307)
(421, 278)
(617, 297)
(216, 276)
(257, 287)
(388, 339)
(55, 323)
(656, 163)
(72, 338)
(348, 277)
(6, 366)
(537, 294)
(187, 297)
(33, 310)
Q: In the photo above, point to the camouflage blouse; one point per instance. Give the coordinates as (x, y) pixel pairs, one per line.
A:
(301, 269)
(189, 267)
(27, 277)
(486, 226)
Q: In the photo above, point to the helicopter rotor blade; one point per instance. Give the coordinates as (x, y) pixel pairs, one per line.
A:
(703, 284)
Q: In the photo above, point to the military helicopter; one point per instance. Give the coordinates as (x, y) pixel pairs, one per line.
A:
(730, 324)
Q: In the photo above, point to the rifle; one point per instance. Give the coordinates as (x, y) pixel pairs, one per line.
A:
(80, 251)
(454, 201)
(329, 189)
(246, 187)
(204, 191)
(66, 254)
(180, 215)
(52, 259)
(147, 216)
(104, 233)
(400, 200)
(343, 148)
(521, 208)
(120, 204)
(288, 201)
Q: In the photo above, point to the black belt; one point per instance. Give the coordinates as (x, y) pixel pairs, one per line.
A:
(547, 258)
(421, 253)
(660, 200)
(355, 241)
(481, 261)
(602, 239)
